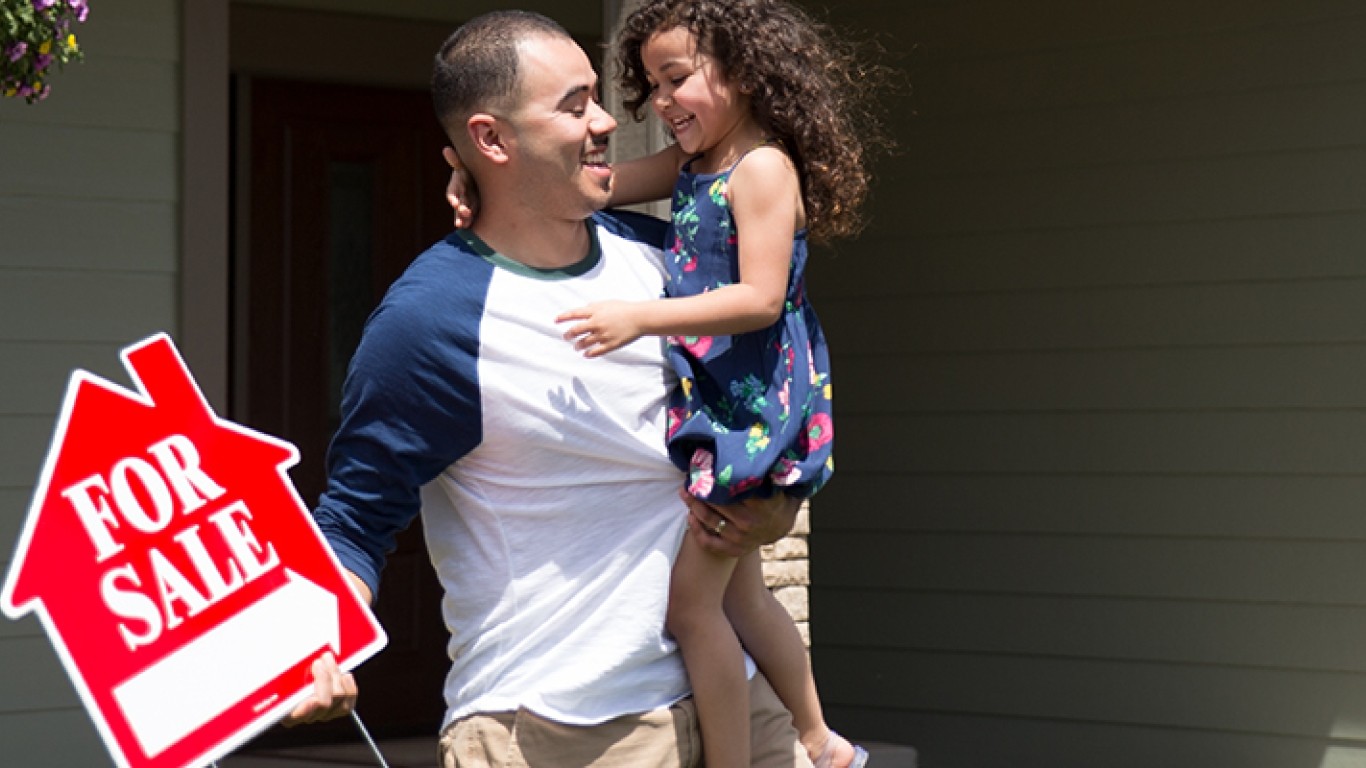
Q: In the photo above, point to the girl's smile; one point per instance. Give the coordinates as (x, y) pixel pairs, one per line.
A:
(693, 97)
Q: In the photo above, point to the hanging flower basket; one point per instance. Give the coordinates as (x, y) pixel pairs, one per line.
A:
(36, 38)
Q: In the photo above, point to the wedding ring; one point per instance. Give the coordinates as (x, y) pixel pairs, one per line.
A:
(720, 526)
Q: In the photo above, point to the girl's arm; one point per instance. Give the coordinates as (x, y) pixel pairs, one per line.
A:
(766, 199)
(646, 179)
(640, 180)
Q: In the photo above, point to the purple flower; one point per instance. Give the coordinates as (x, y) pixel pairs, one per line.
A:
(82, 10)
(41, 61)
(17, 51)
(43, 5)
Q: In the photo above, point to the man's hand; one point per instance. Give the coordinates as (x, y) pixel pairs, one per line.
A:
(460, 190)
(747, 525)
(334, 695)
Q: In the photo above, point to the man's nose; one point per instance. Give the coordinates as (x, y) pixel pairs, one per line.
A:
(602, 122)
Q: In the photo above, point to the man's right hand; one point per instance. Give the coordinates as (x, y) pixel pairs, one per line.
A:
(334, 695)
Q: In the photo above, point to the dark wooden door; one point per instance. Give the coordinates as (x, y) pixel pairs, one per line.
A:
(345, 188)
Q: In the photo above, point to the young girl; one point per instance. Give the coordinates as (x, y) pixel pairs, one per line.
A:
(765, 108)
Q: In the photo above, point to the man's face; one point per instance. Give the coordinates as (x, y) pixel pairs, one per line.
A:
(559, 132)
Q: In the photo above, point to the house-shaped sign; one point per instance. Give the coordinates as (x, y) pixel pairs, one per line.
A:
(175, 569)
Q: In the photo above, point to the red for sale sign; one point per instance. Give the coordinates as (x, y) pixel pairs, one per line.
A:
(175, 569)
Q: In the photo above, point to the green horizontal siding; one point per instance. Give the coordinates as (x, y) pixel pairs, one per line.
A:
(88, 260)
(1099, 364)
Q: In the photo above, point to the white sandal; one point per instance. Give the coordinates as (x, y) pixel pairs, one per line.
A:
(827, 755)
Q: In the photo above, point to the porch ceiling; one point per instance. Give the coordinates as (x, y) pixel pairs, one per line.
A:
(583, 19)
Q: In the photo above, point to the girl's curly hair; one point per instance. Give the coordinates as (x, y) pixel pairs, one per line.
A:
(806, 87)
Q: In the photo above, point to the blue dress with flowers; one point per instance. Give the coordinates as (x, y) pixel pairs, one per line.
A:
(752, 413)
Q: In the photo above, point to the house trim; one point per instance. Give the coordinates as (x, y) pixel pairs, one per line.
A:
(202, 314)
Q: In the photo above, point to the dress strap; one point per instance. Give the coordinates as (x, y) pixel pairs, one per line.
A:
(761, 143)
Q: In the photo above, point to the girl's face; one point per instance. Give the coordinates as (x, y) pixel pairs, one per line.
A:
(692, 96)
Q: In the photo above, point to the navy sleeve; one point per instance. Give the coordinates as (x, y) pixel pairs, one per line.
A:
(410, 407)
(639, 227)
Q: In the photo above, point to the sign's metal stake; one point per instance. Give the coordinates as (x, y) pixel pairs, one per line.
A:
(360, 726)
(366, 734)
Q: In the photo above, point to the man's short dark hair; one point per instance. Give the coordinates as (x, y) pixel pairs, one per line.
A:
(477, 67)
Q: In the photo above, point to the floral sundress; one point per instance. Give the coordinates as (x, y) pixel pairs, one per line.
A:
(752, 412)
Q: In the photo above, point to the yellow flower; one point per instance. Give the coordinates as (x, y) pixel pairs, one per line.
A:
(12, 91)
(758, 436)
(45, 48)
(71, 43)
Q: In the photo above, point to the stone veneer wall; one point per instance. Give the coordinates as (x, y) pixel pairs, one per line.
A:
(787, 572)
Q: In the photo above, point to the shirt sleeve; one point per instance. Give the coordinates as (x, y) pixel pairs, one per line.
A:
(410, 408)
(640, 227)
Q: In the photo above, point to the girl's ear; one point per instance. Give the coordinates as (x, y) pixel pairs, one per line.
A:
(484, 134)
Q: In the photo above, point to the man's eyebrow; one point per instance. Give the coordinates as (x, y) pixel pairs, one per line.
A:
(574, 92)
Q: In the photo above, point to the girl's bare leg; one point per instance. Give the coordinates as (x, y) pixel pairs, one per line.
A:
(711, 653)
(772, 639)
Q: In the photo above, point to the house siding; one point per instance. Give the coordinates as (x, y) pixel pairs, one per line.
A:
(88, 262)
(1101, 415)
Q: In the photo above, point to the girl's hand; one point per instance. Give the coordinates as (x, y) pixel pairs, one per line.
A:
(604, 326)
(460, 190)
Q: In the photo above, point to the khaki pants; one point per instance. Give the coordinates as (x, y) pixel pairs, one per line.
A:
(663, 738)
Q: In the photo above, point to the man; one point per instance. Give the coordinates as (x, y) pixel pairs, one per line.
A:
(551, 509)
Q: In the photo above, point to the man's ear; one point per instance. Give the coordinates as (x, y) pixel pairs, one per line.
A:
(486, 136)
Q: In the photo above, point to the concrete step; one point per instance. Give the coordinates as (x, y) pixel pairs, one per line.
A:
(883, 755)
(419, 752)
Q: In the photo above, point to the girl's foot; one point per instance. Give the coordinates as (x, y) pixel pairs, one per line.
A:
(837, 752)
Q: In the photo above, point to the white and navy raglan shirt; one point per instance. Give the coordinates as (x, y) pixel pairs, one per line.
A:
(548, 498)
